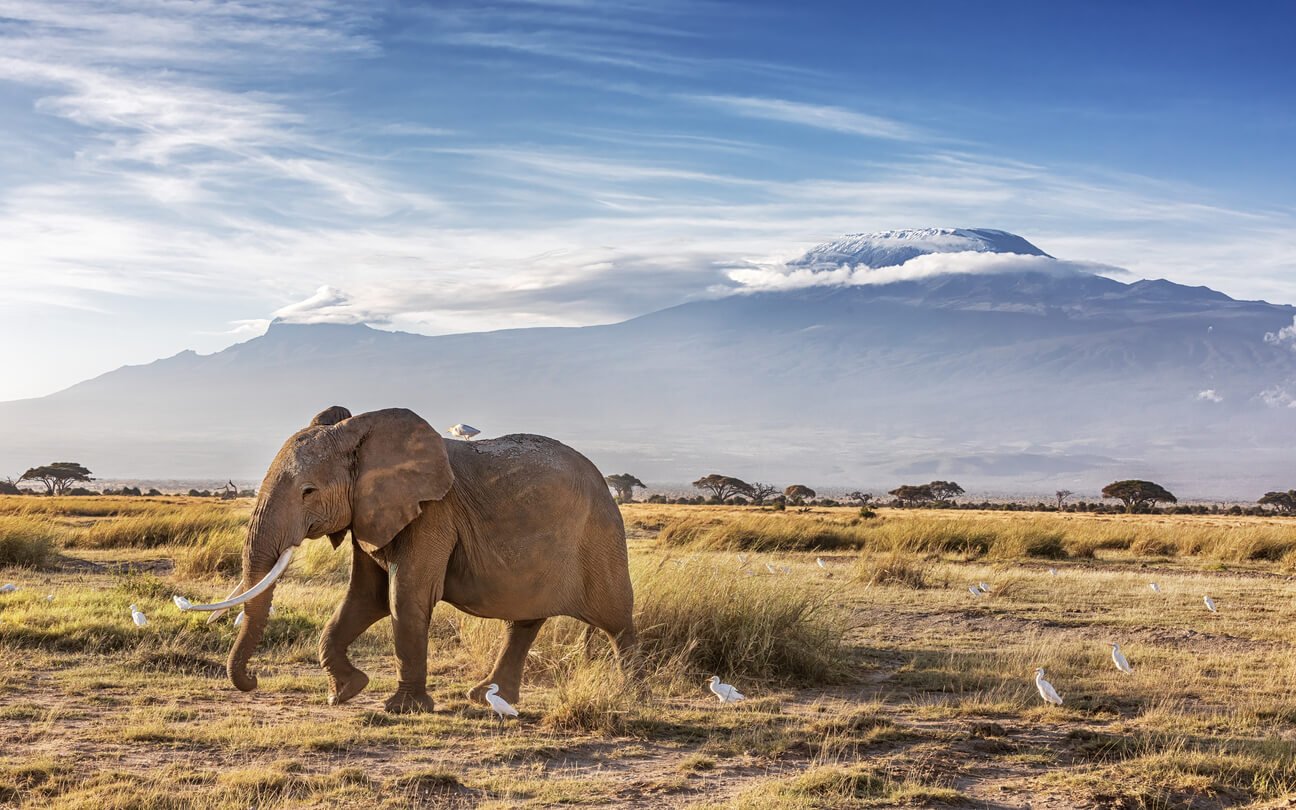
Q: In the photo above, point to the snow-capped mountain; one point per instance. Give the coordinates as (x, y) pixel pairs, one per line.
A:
(892, 248)
(1023, 381)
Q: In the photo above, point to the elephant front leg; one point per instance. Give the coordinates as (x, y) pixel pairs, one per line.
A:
(412, 600)
(507, 673)
(364, 604)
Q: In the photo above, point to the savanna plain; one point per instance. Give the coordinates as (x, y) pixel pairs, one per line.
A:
(876, 679)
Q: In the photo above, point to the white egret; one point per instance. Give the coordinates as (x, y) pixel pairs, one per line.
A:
(239, 618)
(181, 602)
(974, 590)
(138, 616)
(725, 692)
(49, 597)
(1210, 604)
(499, 704)
(819, 561)
(1155, 587)
(1118, 658)
(8, 587)
(462, 431)
(1046, 689)
(984, 587)
(769, 568)
(1052, 572)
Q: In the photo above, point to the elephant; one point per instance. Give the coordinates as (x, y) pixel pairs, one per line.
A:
(519, 528)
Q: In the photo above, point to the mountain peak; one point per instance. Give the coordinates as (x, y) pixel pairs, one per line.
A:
(893, 248)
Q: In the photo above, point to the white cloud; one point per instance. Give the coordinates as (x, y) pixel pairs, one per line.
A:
(919, 267)
(1210, 395)
(1285, 336)
(819, 116)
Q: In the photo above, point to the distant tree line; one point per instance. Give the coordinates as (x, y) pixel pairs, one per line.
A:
(61, 477)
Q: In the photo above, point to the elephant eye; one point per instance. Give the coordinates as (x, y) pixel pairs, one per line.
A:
(308, 490)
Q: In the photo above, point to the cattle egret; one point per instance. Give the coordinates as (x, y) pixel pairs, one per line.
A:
(499, 704)
(138, 617)
(725, 692)
(1155, 587)
(984, 587)
(1118, 658)
(239, 618)
(1210, 604)
(8, 587)
(1052, 572)
(819, 561)
(49, 597)
(769, 568)
(181, 602)
(464, 431)
(972, 589)
(1046, 689)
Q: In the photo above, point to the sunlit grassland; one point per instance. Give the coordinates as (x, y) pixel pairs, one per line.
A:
(875, 680)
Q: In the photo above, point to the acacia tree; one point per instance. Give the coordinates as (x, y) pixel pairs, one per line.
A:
(8, 487)
(797, 493)
(913, 494)
(1284, 502)
(944, 490)
(860, 498)
(1137, 494)
(759, 491)
(624, 484)
(1062, 495)
(58, 476)
(723, 487)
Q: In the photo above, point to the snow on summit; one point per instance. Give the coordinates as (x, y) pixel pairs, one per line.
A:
(893, 248)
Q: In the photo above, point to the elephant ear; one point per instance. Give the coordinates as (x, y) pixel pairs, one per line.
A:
(400, 461)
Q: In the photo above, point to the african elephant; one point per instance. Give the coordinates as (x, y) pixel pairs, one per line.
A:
(518, 528)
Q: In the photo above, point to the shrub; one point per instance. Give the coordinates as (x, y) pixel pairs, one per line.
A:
(28, 542)
(696, 621)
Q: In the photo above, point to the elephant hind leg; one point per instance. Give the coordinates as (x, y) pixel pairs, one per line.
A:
(507, 672)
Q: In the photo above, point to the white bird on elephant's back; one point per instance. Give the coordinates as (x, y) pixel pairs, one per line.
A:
(499, 704)
(462, 431)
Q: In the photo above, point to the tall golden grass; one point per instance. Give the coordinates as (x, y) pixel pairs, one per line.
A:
(979, 534)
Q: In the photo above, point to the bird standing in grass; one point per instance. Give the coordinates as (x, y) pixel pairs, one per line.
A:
(499, 704)
(974, 590)
(138, 617)
(724, 691)
(1155, 587)
(8, 587)
(1118, 658)
(769, 568)
(819, 561)
(984, 587)
(462, 431)
(1046, 689)
(1052, 572)
(1210, 604)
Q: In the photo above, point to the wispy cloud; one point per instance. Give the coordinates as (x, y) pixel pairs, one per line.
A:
(819, 116)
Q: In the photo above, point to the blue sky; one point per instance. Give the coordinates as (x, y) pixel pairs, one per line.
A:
(173, 175)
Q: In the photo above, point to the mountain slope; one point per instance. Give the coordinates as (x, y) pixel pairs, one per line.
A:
(1024, 381)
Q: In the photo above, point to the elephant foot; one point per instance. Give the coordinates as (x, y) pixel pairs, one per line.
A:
(404, 702)
(346, 687)
(478, 693)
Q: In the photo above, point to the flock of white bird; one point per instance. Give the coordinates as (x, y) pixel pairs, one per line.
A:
(1046, 690)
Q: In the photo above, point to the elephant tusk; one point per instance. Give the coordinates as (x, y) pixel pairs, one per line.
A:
(217, 614)
(251, 593)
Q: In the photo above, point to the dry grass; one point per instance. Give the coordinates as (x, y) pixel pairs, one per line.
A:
(28, 542)
(876, 681)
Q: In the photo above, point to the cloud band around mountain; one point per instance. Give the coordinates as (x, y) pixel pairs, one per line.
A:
(930, 265)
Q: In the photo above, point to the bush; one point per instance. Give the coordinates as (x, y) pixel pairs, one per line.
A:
(28, 542)
(697, 621)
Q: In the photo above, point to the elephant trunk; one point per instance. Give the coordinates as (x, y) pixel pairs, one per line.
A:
(256, 615)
